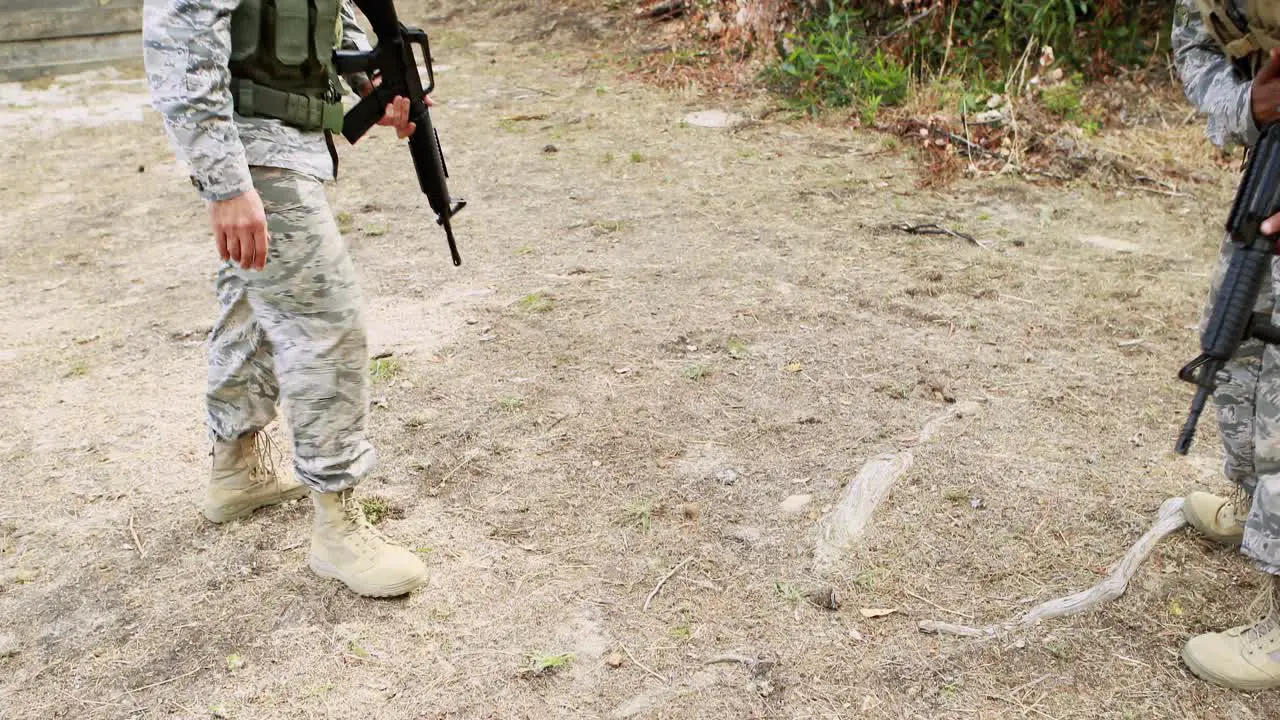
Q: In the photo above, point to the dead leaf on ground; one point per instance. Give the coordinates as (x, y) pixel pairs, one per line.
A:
(877, 612)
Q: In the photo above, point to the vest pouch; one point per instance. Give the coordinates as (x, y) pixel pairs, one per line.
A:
(293, 32)
(327, 30)
(246, 28)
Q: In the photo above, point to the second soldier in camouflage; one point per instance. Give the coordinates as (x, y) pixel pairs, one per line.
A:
(1225, 52)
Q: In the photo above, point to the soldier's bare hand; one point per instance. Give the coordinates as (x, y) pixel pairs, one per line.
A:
(240, 229)
(1265, 96)
(397, 116)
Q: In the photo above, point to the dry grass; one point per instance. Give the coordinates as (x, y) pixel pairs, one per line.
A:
(552, 461)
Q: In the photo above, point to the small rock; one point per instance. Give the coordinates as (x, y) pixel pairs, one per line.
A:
(550, 149)
(614, 660)
(977, 503)
(795, 503)
(690, 511)
(727, 476)
(745, 534)
(712, 119)
(825, 597)
(715, 26)
(8, 645)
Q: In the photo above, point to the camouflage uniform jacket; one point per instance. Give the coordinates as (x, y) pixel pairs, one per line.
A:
(187, 48)
(1209, 79)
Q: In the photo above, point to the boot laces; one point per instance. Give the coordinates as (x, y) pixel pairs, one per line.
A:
(1271, 622)
(353, 513)
(1241, 501)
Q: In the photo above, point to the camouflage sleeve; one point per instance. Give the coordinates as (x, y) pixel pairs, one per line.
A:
(1210, 81)
(353, 38)
(186, 50)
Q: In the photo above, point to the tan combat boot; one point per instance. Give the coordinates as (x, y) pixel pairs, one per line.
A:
(240, 483)
(345, 547)
(1242, 658)
(1219, 519)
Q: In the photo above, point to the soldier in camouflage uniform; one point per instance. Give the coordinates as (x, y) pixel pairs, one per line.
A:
(1226, 55)
(249, 99)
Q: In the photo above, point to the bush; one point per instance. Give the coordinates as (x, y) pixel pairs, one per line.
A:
(864, 52)
(831, 65)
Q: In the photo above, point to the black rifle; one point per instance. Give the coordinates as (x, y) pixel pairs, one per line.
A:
(394, 62)
(1233, 320)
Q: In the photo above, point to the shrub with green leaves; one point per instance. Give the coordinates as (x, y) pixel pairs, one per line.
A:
(833, 64)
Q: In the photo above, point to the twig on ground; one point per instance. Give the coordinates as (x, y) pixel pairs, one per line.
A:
(937, 606)
(733, 658)
(173, 679)
(936, 229)
(639, 664)
(1109, 588)
(459, 466)
(656, 588)
(136, 542)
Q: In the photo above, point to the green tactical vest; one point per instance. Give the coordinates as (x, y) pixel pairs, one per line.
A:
(282, 62)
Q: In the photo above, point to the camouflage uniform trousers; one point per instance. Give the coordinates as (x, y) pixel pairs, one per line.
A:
(295, 328)
(1248, 404)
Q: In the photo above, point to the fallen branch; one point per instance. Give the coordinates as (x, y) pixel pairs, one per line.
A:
(664, 10)
(654, 593)
(936, 229)
(641, 665)
(1111, 587)
(846, 523)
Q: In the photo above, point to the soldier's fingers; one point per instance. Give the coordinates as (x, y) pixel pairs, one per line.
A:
(409, 130)
(221, 238)
(261, 241)
(1271, 225)
(233, 245)
(245, 238)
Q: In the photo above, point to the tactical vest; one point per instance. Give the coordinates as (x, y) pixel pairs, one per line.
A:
(282, 62)
(1243, 35)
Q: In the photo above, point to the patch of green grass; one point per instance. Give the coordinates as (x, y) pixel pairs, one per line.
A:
(510, 404)
(957, 495)
(639, 514)
(375, 509)
(608, 227)
(536, 302)
(384, 369)
(234, 662)
(345, 222)
(790, 592)
(696, 372)
(637, 157)
(608, 158)
(541, 664)
(77, 368)
(682, 630)
(1063, 100)
(523, 250)
(737, 349)
(375, 230)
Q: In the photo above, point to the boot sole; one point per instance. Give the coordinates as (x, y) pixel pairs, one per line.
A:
(221, 516)
(327, 571)
(1209, 676)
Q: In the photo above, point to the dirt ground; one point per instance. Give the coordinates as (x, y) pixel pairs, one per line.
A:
(661, 336)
